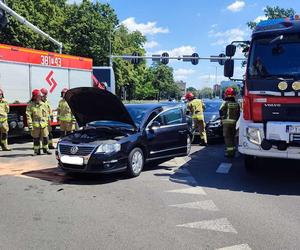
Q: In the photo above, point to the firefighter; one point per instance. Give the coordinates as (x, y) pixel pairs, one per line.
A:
(230, 113)
(38, 120)
(65, 116)
(4, 128)
(44, 93)
(196, 108)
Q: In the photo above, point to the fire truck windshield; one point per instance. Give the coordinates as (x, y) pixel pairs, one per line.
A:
(271, 58)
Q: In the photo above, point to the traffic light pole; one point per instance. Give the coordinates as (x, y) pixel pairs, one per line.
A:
(179, 58)
(30, 25)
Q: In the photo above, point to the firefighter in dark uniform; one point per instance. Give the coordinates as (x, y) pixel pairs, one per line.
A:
(197, 107)
(230, 113)
(45, 100)
(4, 128)
(38, 120)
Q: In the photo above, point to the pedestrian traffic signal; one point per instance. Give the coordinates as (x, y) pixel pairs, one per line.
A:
(3, 18)
(195, 61)
(165, 58)
(135, 60)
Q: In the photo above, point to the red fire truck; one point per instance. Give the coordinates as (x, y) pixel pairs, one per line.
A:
(22, 70)
(270, 124)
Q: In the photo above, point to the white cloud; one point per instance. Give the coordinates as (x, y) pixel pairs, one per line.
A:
(227, 36)
(149, 28)
(183, 50)
(182, 74)
(151, 45)
(236, 6)
(260, 18)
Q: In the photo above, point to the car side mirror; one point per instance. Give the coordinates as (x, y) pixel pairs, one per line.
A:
(230, 50)
(154, 125)
(229, 68)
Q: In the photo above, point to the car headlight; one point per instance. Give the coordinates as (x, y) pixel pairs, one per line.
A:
(108, 148)
(254, 135)
(214, 124)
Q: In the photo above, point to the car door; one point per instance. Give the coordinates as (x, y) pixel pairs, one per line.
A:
(167, 134)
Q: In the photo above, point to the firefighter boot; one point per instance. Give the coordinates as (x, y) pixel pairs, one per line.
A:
(4, 143)
(45, 146)
(36, 146)
(50, 145)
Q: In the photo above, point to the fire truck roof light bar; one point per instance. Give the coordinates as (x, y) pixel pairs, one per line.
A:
(183, 58)
(30, 25)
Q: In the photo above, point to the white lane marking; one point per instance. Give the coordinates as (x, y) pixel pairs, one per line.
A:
(182, 171)
(224, 168)
(205, 205)
(220, 225)
(184, 179)
(236, 247)
(192, 190)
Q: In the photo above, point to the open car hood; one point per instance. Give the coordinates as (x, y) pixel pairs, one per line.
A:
(93, 104)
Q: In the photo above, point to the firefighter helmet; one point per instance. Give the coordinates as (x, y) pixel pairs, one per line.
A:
(230, 92)
(189, 96)
(36, 92)
(44, 91)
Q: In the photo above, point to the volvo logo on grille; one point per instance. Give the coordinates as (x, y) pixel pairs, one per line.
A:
(74, 150)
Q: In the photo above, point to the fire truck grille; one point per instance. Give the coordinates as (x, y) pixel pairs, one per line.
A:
(281, 112)
(76, 150)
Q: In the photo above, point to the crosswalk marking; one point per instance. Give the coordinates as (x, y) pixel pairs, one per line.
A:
(192, 190)
(205, 205)
(182, 171)
(184, 179)
(224, 168)
(220, 225)
(236, 247)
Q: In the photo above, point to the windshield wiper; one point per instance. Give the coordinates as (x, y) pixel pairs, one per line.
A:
(277, 39)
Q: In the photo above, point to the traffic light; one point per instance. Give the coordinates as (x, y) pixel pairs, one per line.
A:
(165, 58)
(222, 61)
(195, 61)
(135, 60)
(3, 18)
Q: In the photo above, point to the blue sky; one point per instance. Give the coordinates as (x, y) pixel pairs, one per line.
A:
(202, 26)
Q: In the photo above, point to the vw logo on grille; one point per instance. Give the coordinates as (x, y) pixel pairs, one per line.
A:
(74, 150)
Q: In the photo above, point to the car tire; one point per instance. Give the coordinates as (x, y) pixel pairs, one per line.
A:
(250, 162)
(136, 162)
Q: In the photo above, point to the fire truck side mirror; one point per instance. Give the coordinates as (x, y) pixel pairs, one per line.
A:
(230, 50)
(229, 68)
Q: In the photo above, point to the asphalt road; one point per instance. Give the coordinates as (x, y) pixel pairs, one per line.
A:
(186, 203)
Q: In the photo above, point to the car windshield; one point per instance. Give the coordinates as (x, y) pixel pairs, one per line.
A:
(137, 113)
(275, 57)
(212, 106)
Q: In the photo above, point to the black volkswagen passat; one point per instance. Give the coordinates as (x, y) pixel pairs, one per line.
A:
(114, 137)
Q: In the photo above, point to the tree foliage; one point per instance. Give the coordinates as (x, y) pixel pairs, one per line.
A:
(87, 29)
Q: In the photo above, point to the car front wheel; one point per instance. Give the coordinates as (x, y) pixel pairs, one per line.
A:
(135, 162)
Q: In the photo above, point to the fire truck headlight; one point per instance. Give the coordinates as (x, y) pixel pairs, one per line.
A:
(254, 135)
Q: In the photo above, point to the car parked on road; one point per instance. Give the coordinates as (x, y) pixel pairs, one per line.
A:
(115, 137)
(214, 128)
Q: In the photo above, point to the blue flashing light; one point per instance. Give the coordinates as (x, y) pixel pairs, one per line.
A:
(272, 22)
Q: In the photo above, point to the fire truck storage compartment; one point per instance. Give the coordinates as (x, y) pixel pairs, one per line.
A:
(281, 112)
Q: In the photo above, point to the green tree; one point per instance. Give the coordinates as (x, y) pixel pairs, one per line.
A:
(272, 13)
(206, 92)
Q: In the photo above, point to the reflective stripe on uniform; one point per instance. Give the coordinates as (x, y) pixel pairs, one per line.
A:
(229, 121)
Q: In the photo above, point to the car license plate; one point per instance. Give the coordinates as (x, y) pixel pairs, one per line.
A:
(73, 160)
(294, 129)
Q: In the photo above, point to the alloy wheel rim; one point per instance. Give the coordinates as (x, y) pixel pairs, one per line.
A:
(137, 162)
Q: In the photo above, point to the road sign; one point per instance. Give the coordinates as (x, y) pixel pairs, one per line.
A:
(165, 58)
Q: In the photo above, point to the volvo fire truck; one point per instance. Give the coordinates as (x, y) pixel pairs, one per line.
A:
(23, 69)
(270, 124)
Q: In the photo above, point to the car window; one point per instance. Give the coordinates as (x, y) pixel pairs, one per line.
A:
(170, 117)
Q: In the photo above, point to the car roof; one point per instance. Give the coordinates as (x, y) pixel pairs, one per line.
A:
(152, 106)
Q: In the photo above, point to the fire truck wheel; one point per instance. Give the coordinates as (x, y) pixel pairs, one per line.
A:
(250, 162)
